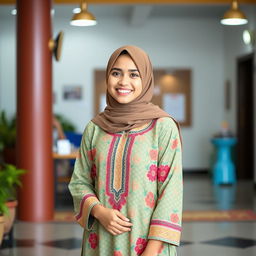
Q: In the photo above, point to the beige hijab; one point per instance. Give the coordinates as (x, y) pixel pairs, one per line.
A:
(119, 117)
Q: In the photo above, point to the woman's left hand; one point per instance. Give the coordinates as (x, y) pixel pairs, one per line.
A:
(153, 248)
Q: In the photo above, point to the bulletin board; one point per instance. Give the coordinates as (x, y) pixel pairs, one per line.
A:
(172, 93)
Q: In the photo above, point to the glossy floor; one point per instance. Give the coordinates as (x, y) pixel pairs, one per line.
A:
(198, 238)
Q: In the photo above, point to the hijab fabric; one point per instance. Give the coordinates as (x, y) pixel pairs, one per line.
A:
(119, 117)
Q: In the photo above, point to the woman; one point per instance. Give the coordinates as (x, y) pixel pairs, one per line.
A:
(127, 181)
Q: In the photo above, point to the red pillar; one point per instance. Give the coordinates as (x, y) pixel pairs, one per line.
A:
(34, 110)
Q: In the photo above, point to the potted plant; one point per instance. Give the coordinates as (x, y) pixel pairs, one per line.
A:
(66, 125)
(9, 180)
(7, 138)
(3, 210)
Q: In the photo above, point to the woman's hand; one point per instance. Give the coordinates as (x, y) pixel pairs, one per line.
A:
(153, 248)
(112, 220)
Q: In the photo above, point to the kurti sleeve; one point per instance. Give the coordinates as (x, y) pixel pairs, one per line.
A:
(81, 185)
(166, 219)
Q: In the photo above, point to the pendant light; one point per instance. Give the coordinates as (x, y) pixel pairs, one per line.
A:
(83, 18)
(234, 16)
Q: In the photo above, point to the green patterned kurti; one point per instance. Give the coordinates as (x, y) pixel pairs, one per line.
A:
(138, 173)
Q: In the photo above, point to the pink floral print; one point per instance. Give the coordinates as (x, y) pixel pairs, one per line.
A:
(93, 171)
(150, 201)
(153, 154)
(152, 173)
(162, 173)
(91, 154)
(140, 245)
(175, 144)
(93, 240)
(175, 218)
(117, 253)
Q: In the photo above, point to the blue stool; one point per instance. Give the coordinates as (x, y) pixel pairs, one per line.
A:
(224, 169)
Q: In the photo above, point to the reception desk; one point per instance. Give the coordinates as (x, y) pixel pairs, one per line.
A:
(59, 176)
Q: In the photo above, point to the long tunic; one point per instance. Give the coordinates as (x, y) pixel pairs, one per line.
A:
(138, 173)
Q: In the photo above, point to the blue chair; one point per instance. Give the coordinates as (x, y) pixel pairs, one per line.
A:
(74, 138)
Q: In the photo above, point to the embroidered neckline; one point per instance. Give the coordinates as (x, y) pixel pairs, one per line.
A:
(137, 131)
(119, 164)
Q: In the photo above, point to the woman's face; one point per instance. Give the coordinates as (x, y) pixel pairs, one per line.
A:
(124, 81)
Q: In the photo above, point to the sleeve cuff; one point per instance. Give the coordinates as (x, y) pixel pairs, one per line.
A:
(84, 217)
(165, 231)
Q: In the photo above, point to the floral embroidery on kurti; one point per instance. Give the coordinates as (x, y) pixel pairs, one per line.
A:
(138, 173)
(152, 173)
(118, 170)
(93, 240)
(117, 253)
(150, 201)
(140, 245)
(118, 166)
(162, 172)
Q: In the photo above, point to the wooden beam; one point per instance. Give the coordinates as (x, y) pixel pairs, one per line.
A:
(202, 2)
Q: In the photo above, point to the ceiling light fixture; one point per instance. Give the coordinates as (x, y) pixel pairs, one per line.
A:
(76, 10)
(52, 12)
(234, 16)
(14, 11)
(83, 18)
(249, 37)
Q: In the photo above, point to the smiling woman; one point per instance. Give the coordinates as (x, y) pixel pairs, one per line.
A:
(124, 82)
(127, 181)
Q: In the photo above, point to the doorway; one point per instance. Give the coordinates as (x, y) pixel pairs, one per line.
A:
(245, 116)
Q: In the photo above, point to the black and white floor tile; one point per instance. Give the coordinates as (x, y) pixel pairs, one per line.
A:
(198, 238)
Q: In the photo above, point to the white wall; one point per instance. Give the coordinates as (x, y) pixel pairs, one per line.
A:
(189, 43)
(7, 66)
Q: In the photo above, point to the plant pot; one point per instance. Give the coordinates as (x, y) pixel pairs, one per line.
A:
(9, 218)
(1, 228)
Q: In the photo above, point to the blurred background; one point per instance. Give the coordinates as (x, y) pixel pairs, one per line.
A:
(210, 91)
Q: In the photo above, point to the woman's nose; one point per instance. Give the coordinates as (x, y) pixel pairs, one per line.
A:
(124, 80)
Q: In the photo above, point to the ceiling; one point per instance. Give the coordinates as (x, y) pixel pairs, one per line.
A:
(142, 1)
(138, 13)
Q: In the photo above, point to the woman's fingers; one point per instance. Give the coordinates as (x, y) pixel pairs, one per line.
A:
(124, 224)
(122, 220)
(121, 228)
(114, 221)
(115, 231)
(121, 216)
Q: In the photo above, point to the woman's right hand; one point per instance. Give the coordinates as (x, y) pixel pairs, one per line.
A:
(112, 220)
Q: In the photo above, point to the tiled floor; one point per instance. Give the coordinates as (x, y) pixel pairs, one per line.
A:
(198, 238)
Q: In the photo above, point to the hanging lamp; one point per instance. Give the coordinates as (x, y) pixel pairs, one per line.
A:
(234, 16)
(83, 18)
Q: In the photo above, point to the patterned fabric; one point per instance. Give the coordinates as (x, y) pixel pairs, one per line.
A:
(138, 173)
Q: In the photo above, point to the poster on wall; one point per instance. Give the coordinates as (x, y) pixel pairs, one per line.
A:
(174, 104)
(72, 92)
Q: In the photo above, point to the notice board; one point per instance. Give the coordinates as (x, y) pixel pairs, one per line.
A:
(172, 93)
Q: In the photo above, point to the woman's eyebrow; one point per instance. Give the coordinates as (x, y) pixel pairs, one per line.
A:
(130, 70)
(119, 69)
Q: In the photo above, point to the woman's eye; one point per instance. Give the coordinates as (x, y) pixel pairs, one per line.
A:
(115, 73)
(134, 75)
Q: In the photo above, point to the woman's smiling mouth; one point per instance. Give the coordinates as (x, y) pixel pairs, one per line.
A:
(123, 92)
